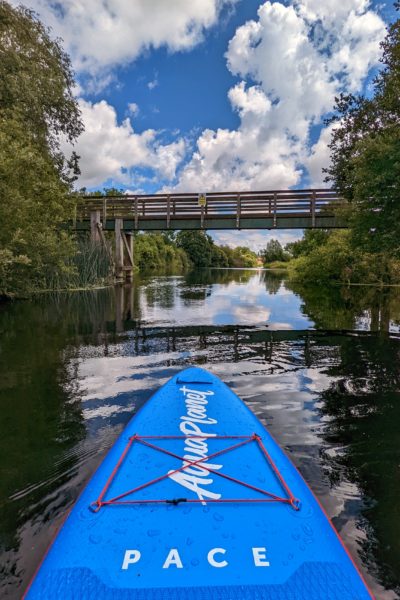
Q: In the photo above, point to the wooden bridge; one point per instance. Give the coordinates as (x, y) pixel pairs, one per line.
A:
(288, 209)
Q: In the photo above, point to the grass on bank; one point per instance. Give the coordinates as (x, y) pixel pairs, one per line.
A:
(89, 267)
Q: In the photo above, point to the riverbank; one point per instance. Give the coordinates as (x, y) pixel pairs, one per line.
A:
(89, 265)
(334, 258)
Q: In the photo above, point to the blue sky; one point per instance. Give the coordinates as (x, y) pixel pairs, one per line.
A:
(210, 95)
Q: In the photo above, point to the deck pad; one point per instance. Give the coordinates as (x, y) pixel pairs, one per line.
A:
(196, 500)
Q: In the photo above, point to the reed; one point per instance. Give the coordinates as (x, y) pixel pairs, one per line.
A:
(90, 266)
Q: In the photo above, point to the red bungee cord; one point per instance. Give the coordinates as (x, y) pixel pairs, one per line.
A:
(266, 496)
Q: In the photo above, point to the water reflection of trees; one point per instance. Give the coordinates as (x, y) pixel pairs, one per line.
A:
(362, 412)
(219, 276)
(329, 308)
(349, 308)
(40, 420)
(272, 279)
(159, 291)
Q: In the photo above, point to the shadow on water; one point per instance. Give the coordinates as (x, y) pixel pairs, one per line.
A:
(319, 367)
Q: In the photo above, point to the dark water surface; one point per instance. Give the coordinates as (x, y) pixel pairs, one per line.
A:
(320, 368)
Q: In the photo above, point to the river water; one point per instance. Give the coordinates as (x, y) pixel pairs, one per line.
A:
(319, 367)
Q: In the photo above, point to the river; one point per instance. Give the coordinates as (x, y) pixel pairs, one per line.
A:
(319, 367)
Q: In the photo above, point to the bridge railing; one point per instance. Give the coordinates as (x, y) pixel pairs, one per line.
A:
(239, 205)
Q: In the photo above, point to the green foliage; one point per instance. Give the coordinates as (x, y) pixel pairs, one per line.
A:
(218, 257)
(337, 260)
(203, 252)
(112, 191)
(365, 153)
(156, 251)
(36, 107)
(274, 252)
(313, 238)
(34, 203)
(36, 80)
(91, 266)
(240, 257)
(197, 245)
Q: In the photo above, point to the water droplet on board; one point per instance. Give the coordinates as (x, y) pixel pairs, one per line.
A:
(189, 541)
(218, 517)
(119, 531)
(308, 530)
(95, 539)
(308, 540)
(153, 532)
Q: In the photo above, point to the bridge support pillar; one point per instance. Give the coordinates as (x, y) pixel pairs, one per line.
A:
(129, 264)
(119, 251)
(95, 226)
(123, 253)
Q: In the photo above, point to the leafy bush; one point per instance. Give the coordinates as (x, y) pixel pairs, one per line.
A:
(274, 252)
(337, 260)
(156, 251)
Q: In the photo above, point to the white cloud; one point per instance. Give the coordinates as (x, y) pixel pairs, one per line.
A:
(245, 158)
(110, 150)
(319, 158)
(330, 12)
(153, 84)
(293, 60)
(102, 35)
(255, 240)
(133, 109)
(281, 57)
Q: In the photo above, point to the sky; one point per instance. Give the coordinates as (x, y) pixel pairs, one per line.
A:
(213, 95)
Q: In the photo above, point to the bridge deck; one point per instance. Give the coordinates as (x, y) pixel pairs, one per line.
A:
(231, 210)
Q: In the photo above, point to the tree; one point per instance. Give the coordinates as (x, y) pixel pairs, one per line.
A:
(218, 257)
(197, 245)
(37, 107)
(338, 260)
(158, 251)
(313, 238)
(274, 252)
(365, 155)
(36, 80)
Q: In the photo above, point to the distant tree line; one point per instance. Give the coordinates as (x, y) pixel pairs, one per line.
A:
(188, 249)
(203, 252)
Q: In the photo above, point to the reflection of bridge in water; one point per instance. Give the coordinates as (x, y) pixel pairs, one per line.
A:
(364, 310)
(169, 311)
(238, 341)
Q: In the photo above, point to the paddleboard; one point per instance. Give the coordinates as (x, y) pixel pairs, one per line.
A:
(194, 501)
